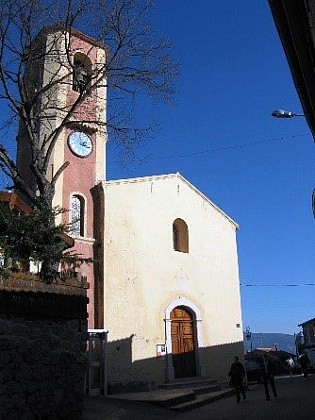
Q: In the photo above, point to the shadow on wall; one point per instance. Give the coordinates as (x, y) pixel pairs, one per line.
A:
(127, 375)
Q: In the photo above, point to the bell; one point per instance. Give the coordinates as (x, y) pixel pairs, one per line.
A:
(81, 75)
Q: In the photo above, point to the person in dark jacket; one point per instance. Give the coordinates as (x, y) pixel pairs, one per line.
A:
(268, 375)
(305, 363)
(237, 374)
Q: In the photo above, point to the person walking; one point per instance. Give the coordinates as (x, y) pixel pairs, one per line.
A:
(268, 374)
(305, 362)
(290, 365)
(237, 374)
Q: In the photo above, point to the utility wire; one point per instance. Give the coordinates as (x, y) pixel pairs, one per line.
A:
(202, 152)
(285, 305)
(278, 285)
(220, 149)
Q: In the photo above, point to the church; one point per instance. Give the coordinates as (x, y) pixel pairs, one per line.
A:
(165, 282)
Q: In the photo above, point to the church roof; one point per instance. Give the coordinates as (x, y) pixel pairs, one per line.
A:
(172, 176)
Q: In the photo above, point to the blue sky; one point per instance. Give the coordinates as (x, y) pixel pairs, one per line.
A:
(219, 135)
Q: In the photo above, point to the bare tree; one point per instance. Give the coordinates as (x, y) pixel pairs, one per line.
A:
(135, 62)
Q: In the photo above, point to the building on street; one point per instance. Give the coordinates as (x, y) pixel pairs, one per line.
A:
(165, 282)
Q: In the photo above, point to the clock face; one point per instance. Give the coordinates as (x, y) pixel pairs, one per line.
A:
(80, 144)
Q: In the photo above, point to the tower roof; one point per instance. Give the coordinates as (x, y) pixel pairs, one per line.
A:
(59, 28)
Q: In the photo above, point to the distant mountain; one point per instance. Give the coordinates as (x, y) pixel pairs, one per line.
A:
(270, 340)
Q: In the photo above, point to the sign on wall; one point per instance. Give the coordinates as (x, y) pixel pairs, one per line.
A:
(160, 351)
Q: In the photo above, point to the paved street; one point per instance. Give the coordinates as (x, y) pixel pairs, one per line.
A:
(296, 400)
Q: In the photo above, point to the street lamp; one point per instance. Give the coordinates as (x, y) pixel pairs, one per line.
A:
(249, 337)
(280, 113)
(298, 338)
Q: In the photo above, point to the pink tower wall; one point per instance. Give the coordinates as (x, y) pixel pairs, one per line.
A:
(79, 177)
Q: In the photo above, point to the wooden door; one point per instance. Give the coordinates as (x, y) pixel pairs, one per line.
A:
(183, 343)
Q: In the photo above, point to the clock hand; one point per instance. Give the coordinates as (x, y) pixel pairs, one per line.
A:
(84, 144)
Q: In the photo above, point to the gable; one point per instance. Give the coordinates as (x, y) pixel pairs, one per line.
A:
(168, 189)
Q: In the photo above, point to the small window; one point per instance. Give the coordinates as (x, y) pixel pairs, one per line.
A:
(180, 236)
(81, 72)
(77, 215)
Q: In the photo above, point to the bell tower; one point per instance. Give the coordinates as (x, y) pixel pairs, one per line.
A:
(73, 108)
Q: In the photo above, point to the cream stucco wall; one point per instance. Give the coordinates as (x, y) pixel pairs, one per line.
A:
(144, 276)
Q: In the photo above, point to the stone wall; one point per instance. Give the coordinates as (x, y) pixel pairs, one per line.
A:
(43, 333)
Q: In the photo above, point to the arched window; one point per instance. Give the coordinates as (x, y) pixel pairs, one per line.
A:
(82, 70)
(77, 215)
(180, 236)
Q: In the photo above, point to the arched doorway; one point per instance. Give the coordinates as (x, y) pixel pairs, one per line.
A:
(183, 335)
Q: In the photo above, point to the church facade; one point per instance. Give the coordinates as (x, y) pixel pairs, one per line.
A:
(171, 281)
(165, 281)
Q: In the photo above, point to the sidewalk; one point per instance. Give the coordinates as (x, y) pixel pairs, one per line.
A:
(295, 401)
(159, 403)
(97, 408)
